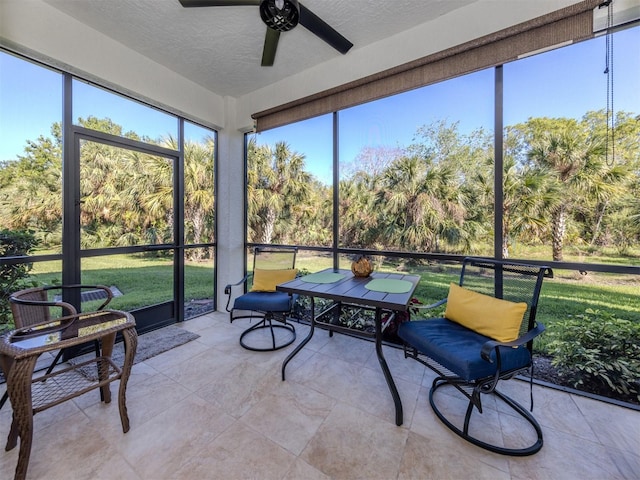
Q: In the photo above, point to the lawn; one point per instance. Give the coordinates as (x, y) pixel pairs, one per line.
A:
(143, 280)
(566, 295)
(148, 280)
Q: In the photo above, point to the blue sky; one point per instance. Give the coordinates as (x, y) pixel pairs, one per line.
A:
(566, 82)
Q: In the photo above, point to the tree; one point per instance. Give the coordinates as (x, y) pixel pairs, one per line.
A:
(360, 220)
(528, 196)
(13, 277)
(358, 217)
(31, 188)
(576, 161)
(421, 205)
(126, 195)
(276, 185)
(199, 194)
(371, 161)
(456, 199)
(611, 218)
(154, 190)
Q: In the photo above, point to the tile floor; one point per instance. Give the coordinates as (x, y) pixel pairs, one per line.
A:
(212, 410)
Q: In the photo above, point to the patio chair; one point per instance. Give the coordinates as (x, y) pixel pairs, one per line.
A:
(485, 336)
(271, 266)
(33, 305)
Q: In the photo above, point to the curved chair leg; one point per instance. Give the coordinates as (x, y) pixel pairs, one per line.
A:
(464, 433)
(266, 322)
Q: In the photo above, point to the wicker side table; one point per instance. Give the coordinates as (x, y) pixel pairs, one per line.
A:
(19, 350)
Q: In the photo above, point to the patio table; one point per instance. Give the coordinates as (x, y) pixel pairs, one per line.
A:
(20, 349)
(383, 292)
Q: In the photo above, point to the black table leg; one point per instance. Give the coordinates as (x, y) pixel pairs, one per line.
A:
(305, 341)
(385, 369)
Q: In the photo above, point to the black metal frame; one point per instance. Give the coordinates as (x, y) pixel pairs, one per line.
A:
(267, 316)
(351, 291)
(149, 317)
(473, 390)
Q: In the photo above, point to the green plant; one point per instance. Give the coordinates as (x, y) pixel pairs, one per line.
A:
(599, 350)
(13, 277)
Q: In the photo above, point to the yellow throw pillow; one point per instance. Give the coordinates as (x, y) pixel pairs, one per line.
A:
(266, 280)
(489, 316)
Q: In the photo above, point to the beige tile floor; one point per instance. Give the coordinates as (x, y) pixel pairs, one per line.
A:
(212, 410)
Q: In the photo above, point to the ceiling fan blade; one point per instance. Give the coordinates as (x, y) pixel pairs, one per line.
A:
(270, 47)
(217, 3)
(319, 27)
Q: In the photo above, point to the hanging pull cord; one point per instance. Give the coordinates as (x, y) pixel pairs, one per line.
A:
(609, 144)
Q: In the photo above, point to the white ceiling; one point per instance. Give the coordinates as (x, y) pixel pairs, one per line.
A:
(220, 48)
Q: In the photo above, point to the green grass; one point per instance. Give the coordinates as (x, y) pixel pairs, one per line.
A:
(149, 280)
(573, 253)
(566, 295)
(143, 280)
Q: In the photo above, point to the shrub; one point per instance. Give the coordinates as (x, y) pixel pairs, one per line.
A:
(598, 350)
(13, 276)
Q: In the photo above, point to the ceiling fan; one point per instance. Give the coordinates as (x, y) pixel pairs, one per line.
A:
(281, 16)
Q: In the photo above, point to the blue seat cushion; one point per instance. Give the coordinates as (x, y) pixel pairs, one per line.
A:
(458, 349)
(263, 302)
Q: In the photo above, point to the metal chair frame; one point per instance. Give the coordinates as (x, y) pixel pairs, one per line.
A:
(501, 271)
(267, 317)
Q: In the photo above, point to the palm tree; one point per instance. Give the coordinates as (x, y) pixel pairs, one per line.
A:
(127, 196)
(458, 171)
(579, 170)
(199, 194)
(359, 219)
(31, 188)
(624, 163)
(421, 205)
(528, 195)
(276, 184)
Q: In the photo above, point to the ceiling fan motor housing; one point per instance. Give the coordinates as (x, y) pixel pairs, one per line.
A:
(280, 15)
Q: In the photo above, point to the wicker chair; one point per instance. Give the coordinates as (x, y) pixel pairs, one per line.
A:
(34, 305)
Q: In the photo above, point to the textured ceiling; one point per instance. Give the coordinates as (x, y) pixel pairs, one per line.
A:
(220, 48)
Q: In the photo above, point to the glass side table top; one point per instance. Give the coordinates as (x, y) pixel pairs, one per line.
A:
(66, 328)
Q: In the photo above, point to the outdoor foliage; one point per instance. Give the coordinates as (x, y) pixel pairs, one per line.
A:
(561, 192)
(599, 350)
(126, 196)
(282, 196)
(561, 188)
(13, 277)
(434, 195)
